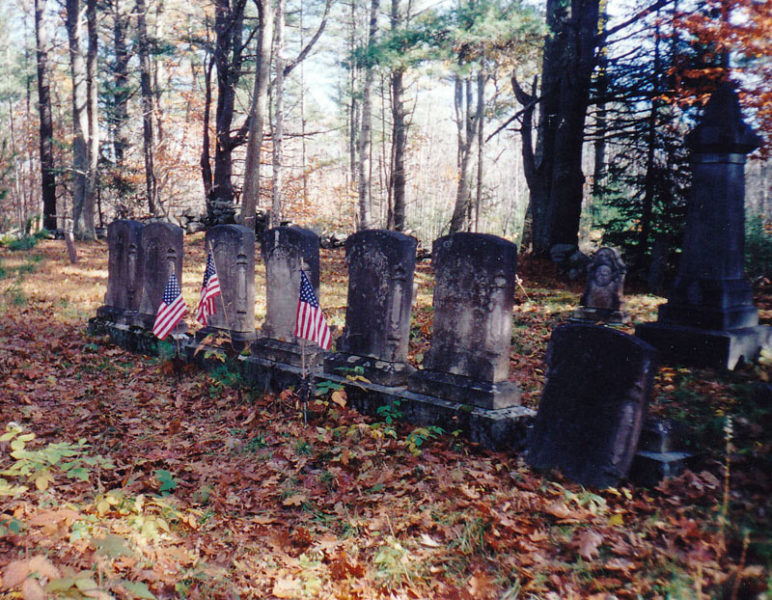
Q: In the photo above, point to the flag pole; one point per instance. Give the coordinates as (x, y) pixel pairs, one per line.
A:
(210, 250)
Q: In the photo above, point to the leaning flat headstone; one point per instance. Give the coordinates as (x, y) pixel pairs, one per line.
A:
(709, 318)
(602, 298)
(285, 251)
(468, 360)
(233, 250)
(160, 256)
(594, 404)
(380, 293)
(123, 282)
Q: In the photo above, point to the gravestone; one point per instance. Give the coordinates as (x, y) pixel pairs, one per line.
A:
(709, 318)
(285, 251)
(468, 360)
(380, 293)
(594, 404)
(123, 281)
(233, 251)
(602, 298)
(160, 256)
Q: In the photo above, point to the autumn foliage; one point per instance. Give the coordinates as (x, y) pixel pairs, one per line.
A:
(123, 476)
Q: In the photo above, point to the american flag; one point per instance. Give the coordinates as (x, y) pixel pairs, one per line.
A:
(210, 289)
(309, 322)
(172, 308)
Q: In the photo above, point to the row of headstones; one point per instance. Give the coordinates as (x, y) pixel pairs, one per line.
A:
(475, 282)
(599, 379)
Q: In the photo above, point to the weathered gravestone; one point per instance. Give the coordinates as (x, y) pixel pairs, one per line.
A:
(594, 403)
(160, 256)
(285, 251)
(468, 360)
(233, 251)
(380, 293)
(602, 298)
(123, 281)
(709, 318)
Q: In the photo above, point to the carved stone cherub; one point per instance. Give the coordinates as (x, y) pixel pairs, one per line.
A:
(602, 298)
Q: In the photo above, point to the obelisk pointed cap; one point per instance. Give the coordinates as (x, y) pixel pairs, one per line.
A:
(722, 129)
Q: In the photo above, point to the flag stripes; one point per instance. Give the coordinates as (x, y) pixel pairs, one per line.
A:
(310, 323)
(171, 310)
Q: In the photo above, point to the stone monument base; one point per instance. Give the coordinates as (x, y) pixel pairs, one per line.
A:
(584, 314)
(465, 390)
(238, 339)
(288, 353)
(697, 347)
(133, 338)
(381, 372)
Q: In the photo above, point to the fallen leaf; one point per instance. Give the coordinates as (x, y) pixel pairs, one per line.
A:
(339, 398)
(429, 542)
(295, 500)
(32, 590)
(42, 566)
(589, 541)
(15, 573)
(480, 586)
(287, 587)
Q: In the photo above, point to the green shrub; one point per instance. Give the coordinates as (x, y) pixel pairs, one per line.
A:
(758, 247)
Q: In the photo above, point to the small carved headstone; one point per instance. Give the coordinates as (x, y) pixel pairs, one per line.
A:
(594, 404)
(233, 250)
(602, 298)
(123, 282)
(160, 256)
(285, 251)
(377, 332)
(468, 360)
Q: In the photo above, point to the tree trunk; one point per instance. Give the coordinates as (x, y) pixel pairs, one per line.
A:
(92, 108)
(257, 114)
(206, 167)
(556, 178)
(399, 131)
(119, 117)
(47, 171)
(277, 137)
(480, 146)
(353, 109)
(365, 203)
(79, 119)
(148, 142)
(466, 124)
(229, 27)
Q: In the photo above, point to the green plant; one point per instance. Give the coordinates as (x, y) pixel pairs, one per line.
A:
(418, 436)
(41, 466)
(758, 247)
(166, 479)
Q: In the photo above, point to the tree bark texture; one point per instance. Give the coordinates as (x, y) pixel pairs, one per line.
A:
(148, 142)
(257, 112)
(365, 136)
(277, 137)
(79, 118)
(47, 170)
(556, 182)
(466, 124)
(92, 108)
(119, 113)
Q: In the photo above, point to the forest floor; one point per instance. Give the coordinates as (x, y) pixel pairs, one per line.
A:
(124, 477)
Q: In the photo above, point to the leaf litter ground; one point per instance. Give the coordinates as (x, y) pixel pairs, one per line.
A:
(147, 479)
